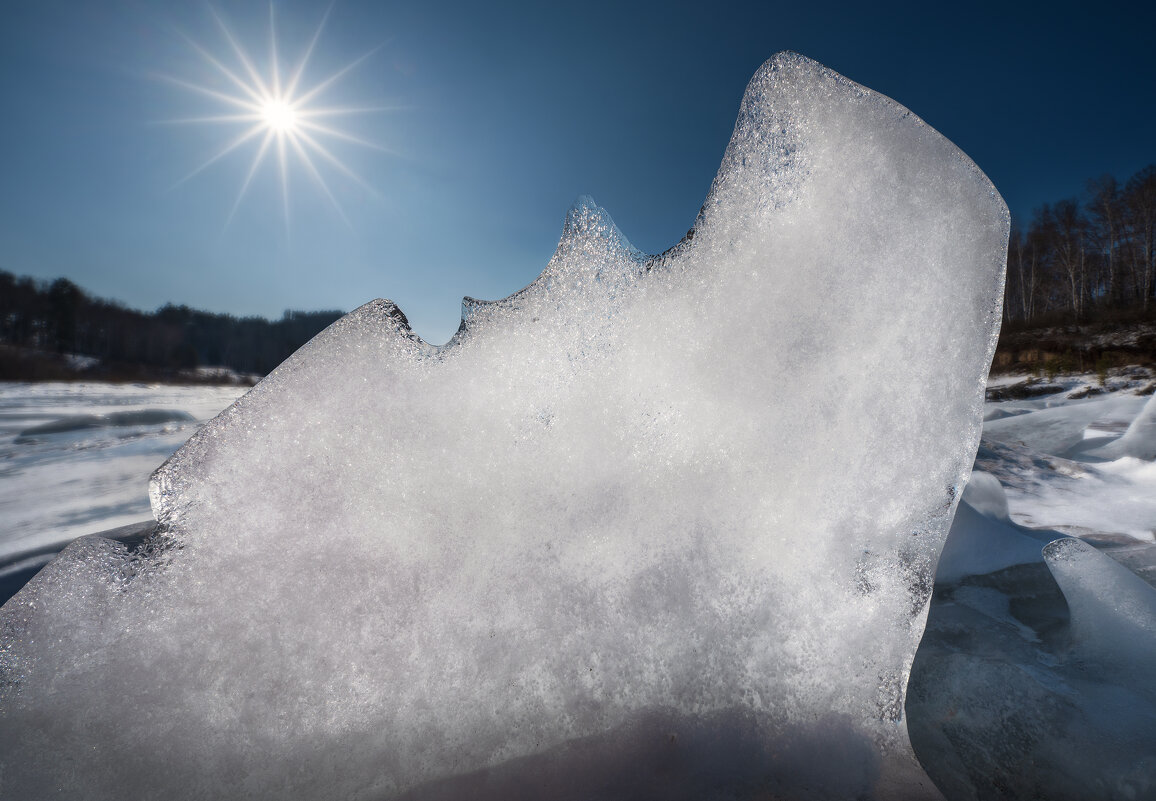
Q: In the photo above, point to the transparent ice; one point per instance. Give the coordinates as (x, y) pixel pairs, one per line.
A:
(651, 527)
(983, 537)
(1036, 681)
(1113, 611)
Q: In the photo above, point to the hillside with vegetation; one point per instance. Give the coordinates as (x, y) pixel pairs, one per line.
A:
(1081, 281)
(57, 331)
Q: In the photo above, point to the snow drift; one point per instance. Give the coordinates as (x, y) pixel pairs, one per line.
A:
(649, 527)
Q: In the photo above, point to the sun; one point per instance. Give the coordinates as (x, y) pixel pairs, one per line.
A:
(276, 114)
(279, 116)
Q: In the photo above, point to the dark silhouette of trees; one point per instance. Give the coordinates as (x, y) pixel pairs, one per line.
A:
(61, 318)
(1080, 260)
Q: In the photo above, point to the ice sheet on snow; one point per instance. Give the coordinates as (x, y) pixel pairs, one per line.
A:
(1138, 441)
(1057, 429)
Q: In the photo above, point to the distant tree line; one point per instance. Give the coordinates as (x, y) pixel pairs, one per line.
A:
(1088, 258)
(62, 318)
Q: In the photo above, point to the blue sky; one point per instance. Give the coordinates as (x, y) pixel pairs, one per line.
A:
(501, 114)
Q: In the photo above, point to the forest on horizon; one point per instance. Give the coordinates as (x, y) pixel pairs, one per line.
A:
(41, 322)
(1085, 259)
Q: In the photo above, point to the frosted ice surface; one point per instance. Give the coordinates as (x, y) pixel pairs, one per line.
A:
(594, 547)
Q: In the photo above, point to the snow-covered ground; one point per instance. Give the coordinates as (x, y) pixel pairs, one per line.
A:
(75, 458)
(1065, 462)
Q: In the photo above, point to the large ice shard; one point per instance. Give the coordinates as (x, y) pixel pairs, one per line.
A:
(651, 527)
(1113, 611)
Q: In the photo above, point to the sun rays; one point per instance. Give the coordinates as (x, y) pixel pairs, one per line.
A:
(279, 118)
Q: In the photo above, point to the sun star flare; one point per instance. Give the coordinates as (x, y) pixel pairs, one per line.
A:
(276, 114)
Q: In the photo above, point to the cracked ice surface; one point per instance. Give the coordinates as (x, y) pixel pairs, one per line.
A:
(592, 544)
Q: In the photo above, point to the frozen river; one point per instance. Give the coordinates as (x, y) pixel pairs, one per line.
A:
(75, 458)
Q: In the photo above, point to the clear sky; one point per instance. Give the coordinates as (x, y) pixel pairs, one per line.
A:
(498, 114)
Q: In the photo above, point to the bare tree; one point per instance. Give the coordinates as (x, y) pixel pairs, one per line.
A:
(1139, 225)
(1105, 229)
(1064, 226)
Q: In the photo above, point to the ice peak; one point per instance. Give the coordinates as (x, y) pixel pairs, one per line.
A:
(589, 225)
